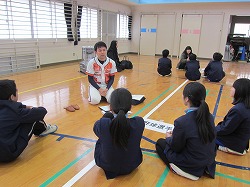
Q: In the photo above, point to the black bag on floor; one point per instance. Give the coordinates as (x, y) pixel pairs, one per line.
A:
(126, 63)
(120, 67)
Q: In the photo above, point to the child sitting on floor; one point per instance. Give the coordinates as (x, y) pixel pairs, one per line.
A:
(192, 68)
(164, 64)
(190, 149)
(214, 70)
(18, 122)
(233, 133)
(117, 150)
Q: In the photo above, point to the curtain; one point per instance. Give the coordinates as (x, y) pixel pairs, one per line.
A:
(129, 27)
(78, 23)
(68, 19)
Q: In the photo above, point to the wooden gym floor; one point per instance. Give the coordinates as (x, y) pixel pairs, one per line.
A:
(65, 158)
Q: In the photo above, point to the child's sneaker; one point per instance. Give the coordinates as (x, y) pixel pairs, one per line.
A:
(227, 150)
(49, 129)
(168, 75)
(182, 173)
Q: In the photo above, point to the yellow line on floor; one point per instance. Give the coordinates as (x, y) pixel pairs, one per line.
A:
(51, 84)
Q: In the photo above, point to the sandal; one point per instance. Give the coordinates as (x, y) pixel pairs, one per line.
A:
(70, 108)
(76, 107)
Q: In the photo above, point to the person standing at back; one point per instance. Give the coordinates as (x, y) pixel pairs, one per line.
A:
(189, 150)
(164, 64)
(233, 133)
(117, 149)
(101, 74)
(184, 58)
(214, 70)
(192, 68)
(113, 54)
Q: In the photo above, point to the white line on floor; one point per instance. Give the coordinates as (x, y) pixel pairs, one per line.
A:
(80, 174)
(167, 98)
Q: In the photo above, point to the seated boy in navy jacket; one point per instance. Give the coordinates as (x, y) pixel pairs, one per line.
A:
(164, 64)
(18, 122)
(214, 70)
(192, 68)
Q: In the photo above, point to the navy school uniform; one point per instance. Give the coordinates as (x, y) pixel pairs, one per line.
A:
(186, 150)
(16, 123)
(114, 160)
(164, 66)
(192, 70)
(214, 71)
(234, 131)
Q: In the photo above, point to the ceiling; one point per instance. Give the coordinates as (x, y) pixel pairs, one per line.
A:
(124, 2)
(130, 3)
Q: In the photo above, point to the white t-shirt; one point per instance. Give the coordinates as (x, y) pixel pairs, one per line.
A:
(101, 72)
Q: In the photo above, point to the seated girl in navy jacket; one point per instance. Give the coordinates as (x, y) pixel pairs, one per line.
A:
(192, 68)
(233, 133)
(118, 150)
(214, 70)
(190, 149)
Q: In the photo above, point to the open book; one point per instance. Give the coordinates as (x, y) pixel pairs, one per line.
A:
(107, 109)
(137, 99)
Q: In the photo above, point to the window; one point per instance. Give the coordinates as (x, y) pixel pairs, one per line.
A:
(89, 20)
(58, 21)
(4, 26)
(42, 19)
(15, 19)
(122, 26)
(19, 21)
(45, 19)
(48, 19)
(242, 28)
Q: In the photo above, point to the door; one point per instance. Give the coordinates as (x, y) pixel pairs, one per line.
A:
(165, 33)
(148, 34)
(190, 32)
(210, 36)
(109, 23)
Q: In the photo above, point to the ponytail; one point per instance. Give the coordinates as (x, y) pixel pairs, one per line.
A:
(205, 129)
(120, 130)
(196, 93)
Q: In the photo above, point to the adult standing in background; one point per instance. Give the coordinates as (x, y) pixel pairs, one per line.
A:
(113, 54)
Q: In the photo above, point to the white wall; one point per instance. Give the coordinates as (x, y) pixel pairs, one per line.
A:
(226, 9)
(52, 51)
